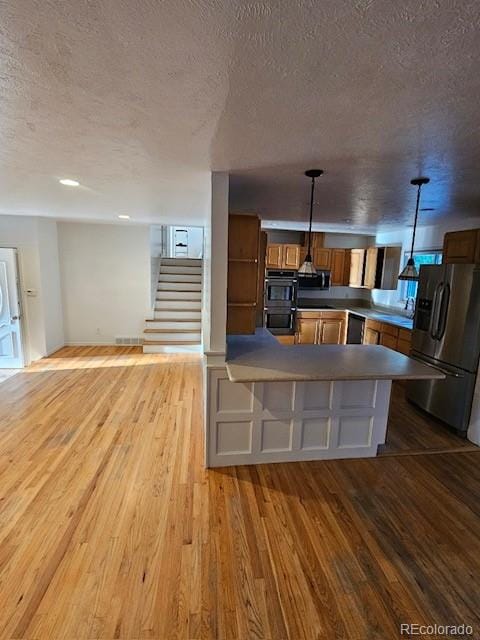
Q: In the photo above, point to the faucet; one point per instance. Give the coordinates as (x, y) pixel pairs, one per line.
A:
(410, 301)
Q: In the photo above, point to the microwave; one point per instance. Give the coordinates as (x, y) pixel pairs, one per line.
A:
(319, 282)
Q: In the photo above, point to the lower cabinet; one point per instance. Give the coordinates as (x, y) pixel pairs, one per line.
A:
(371, 336)
(387, 335)
(306, 331)
(321, 327)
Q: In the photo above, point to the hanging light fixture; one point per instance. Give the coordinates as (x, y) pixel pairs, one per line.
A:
(410, 271)
(307, 270)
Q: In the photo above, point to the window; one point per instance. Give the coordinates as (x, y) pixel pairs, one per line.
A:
(408, 289)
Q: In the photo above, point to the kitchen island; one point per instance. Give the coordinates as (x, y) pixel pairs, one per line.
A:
(273, 403)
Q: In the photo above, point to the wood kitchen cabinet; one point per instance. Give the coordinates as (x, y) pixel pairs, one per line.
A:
(387, 335)
(375, 267)
(331, 331)
(340, 267)
(461, 247)
(243, 260)
(404, 342)
(274, 256)
(370, 267)
(357, 262)
(291, 256)
(306, 331)
(322, 258)
(371, 336)
(321, 327)
(283, 256)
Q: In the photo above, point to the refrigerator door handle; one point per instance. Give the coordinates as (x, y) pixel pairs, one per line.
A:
(435, 311)
(442, 320)
(441, 369)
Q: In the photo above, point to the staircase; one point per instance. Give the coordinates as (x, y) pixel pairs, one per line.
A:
(177, 319)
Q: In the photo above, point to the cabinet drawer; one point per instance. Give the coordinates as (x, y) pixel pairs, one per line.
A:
(390, 329)
(316, 315)
(334, 315)
(405, 334)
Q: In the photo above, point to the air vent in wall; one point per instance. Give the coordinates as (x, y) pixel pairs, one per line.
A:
(127, 340)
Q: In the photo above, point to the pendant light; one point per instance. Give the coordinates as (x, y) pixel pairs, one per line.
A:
(307, 270)
(410, 271)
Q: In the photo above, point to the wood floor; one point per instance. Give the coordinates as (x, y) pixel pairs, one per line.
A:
(411, 430)
(111, 528)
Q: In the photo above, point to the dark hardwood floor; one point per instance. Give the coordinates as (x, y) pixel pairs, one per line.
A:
(411, 430)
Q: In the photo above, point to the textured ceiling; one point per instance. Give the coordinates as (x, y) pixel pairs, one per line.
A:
(140, 100)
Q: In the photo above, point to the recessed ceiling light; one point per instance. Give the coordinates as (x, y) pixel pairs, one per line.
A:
(124, 217)
(69, 183)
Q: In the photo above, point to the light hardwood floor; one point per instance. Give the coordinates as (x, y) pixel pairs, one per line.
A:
(110, 527)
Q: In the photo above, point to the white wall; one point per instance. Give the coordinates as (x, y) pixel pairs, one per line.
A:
(426, 238)
(105, 272)
(348, 241)
(50, 284)
(36, 241)
(214, 307)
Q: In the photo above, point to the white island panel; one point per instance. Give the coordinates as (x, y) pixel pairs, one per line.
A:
(262, 422)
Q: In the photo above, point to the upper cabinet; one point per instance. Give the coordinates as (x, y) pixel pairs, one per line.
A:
(322, 258)
(462, 247)
(370, 273)
(274, 256)
(340, 267)
(291, 256)
(283, 256)
(375, 267)
(357, 261)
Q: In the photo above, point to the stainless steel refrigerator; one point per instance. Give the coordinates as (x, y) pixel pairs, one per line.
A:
(446, 335)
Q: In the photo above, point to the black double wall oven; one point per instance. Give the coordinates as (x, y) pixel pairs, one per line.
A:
(280, 301)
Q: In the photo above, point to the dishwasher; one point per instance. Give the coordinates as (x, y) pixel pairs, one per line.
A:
(355, 329)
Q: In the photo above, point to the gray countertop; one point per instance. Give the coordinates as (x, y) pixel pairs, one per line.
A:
(261, 358)
(404, 322)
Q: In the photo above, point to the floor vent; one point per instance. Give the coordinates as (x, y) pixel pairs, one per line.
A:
(128, 340)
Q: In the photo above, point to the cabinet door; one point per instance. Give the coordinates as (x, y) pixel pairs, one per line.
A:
(291, 256)
(357, 257)
(388, 340)
(460, 247)
(306, 331)
(371, 336)
(370, 267)
(274, 256)
(322, 258)
(331, 331)
(338, 267)
(346, 267)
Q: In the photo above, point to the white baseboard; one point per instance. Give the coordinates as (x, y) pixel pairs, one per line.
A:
(57, 348)
(94, 344)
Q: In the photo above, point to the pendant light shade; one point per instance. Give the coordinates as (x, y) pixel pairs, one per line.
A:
(410, 271)
(307, 270)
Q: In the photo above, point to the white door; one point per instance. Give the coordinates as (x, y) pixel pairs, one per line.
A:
(11, 350)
